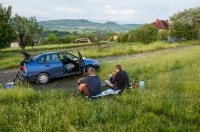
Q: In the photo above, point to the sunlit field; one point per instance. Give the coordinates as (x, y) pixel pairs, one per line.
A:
(170, 101)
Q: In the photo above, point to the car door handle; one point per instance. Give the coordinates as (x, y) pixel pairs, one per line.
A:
(47, 65)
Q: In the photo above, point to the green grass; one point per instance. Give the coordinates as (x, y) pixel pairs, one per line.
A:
(132, 48)
(170, 101)
(47, 47)
(12, 57)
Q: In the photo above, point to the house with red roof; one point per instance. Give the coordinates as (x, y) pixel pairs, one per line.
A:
(116, 36)
(82, 40)
(161, 24)
(164, 25)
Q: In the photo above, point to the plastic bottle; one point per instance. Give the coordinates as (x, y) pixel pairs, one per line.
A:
(141, 84)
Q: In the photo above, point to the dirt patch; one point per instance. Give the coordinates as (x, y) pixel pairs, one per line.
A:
(59, 83)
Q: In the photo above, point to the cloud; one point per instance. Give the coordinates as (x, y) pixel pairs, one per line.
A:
(28, 10)
(73, 10)
(122, 12)
(143, 11)
(107, 6)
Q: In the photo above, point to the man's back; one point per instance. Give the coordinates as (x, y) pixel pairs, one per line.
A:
(94, 84)
(122, 79)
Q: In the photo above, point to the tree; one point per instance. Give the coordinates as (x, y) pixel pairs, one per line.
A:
(110, 36)
(190, 32)
(52, 39)
(146, 34)
(27, 30)
(98, 37)
(124, 37)
(131, 36)
(119, 39)
(182, 30)
(69, 39)
(162, 35)
(6, 31)
(189, 17)
(91, 37)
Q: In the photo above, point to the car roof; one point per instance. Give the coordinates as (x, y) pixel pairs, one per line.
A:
(53, 52)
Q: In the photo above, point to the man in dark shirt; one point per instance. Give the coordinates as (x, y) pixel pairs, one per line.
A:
(118, 80)
(91, 85)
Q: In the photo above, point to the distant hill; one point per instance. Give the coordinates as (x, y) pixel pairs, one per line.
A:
(84, 26)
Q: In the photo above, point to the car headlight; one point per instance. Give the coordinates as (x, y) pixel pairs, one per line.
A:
(97, 62)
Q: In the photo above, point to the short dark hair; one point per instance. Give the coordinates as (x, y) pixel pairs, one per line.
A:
(118, 67)
(91, 71)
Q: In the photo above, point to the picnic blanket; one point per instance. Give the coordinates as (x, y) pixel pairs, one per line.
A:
(107, 92)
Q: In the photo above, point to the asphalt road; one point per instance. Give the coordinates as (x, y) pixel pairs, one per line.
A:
(8, 75)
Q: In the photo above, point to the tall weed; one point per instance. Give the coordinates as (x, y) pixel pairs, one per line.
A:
(169, 102)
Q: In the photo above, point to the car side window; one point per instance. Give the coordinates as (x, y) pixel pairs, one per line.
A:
(52, 58)
(55, 58)
(72, 57)
(41, 60)
(61, 56)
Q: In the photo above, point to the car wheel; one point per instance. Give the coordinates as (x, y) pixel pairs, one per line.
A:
(88, 67)
(42, 78)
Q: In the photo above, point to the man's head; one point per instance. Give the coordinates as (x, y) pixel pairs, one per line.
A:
(118, 68)
(91, 71)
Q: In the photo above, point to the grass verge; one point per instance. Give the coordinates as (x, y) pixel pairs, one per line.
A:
(169, 102)
(12, 57)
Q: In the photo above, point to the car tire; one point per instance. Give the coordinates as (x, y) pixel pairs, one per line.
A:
(42, 78)
(88, 67)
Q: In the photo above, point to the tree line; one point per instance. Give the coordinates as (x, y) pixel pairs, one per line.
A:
(26, 31)
(60, 37)
(184, 25)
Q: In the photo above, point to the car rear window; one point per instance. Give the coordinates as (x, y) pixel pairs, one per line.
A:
(34, 57)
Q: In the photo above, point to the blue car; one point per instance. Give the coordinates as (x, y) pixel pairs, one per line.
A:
(45, 66)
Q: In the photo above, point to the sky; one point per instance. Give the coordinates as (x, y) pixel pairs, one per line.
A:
(120, 11)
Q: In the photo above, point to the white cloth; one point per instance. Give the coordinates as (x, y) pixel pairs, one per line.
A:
(107, 92)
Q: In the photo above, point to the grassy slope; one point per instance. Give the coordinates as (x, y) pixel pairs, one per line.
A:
(170, 102)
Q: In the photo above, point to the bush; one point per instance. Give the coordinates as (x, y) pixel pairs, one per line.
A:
(146, 34)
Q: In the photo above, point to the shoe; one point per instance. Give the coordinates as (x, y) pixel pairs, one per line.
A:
(103, 85)
(78, 92)
(130, 87)
(88, 96)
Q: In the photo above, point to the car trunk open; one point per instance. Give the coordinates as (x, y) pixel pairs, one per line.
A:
(27, 56)
(27, 59)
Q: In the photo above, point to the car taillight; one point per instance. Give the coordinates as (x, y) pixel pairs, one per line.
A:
(24, 68)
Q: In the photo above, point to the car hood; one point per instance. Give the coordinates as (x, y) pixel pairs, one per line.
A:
(90, 61)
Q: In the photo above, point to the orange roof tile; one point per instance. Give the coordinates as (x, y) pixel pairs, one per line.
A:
(161, 24)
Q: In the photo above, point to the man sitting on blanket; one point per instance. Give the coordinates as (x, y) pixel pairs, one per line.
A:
(118, 80)
(91, 85)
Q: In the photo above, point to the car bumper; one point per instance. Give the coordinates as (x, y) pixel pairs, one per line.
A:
(29, 77)
(96, 67)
